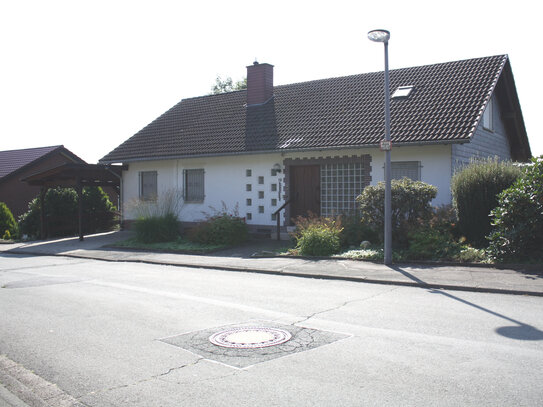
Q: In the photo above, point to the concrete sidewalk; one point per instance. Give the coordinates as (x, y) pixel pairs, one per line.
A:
(519, 281)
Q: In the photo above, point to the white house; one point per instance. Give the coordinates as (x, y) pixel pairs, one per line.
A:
(315, 145)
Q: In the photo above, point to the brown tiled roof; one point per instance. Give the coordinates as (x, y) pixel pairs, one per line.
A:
(14, 160)
(445, 106)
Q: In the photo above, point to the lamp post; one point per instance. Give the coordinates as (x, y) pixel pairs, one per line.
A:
(383, 36)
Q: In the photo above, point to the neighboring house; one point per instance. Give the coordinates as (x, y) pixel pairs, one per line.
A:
(18, 164)
(316, 144)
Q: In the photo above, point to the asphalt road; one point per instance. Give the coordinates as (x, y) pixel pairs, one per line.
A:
(125, 334)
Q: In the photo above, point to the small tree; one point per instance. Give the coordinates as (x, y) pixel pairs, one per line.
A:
(474, 190)
(227, 85)
(410, 206)
(517, 221)
(8, 226)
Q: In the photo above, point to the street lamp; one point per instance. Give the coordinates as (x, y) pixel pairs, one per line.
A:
(383, 36)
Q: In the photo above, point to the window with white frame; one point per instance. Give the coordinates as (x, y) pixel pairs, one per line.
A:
(409, 169)
(193, 182)
(148, 185)
(488, 116)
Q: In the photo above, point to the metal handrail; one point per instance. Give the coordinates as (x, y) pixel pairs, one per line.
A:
(276, 213)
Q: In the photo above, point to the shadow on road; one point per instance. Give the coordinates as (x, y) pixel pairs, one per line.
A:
(521, 331)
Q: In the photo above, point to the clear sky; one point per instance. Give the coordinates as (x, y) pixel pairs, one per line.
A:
(90, 74)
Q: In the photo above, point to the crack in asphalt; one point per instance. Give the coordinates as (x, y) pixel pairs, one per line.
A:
(342, 305)
(157, 376)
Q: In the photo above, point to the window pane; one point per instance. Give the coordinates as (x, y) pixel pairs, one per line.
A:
(148, 186)
(409, 169)
(194, 185)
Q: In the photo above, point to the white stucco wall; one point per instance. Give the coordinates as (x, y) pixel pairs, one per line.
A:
(225, 179)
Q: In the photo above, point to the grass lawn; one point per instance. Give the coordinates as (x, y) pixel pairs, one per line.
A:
(179, 245)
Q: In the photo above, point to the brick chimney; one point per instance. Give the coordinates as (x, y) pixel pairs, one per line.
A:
(259, 83)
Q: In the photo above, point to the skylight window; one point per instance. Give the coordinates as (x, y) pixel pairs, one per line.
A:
(403, 91)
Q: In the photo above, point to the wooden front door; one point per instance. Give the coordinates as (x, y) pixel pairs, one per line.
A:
(305, 190)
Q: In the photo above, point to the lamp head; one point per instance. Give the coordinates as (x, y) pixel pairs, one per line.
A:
(379, 35)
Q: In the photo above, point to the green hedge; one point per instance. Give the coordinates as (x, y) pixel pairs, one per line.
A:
(474, 191)
(61, 213)
(517, 221)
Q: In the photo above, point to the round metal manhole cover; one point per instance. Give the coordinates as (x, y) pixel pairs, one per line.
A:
(250, 337)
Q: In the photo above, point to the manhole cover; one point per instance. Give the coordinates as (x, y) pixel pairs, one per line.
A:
(250, 337)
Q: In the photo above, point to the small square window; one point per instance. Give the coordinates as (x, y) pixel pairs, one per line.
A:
(249, 202)
(260, 209)
(248, 173)
(274, 187)
(261, 194)
(260, 180)
(274, 202)
(248, 187)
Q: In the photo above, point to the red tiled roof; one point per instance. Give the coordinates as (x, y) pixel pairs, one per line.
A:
(445, 106)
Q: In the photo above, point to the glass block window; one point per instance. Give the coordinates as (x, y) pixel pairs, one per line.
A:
(340, 185)
(409, 169)
(260, 209)
(248, 173)
(248, 187)
(261, 194)
(261, 180)
(249, 202)
(194, 185)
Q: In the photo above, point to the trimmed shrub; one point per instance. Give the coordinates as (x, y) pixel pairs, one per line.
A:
(474, 192)
(156, 229)
(410, 206)
(223, 227)
(8, 226)
(316, 236)
(355, 231)
(428, 243)
(517, 221)
(61, 213)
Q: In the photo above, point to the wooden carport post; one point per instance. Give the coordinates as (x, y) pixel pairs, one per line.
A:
(43, 230)
(79, 189)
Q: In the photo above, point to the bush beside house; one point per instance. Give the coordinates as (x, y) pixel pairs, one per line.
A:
(475, 190)
(8, 226)
(410, 207)
(517, 221)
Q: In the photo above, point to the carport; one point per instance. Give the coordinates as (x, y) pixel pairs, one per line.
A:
(76, 176)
